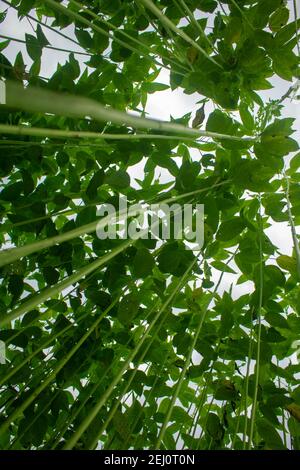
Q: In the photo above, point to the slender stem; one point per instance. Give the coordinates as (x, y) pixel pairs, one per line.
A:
(169, 24)
(243, 14)
(58, 434)
(49, 292)
(147, 395)
(103, 399)
(282, 411)
(59, 33)
(120, 31)
(206, 418)
(18, 411)
(246, 390)
(77, 17)
(198, 411)
(10, 143)
(104, 375)
(222, 8)
(192, 415)
(114, 409)
(291, 92)
(38, 350)
(31, 323)
(180, 382)
(33, 99)
(66, 134)
(12, 254)
(43, 411)
(196, 23)
(5, 227)
(47, 46)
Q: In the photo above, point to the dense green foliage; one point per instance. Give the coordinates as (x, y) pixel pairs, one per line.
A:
(130, 344)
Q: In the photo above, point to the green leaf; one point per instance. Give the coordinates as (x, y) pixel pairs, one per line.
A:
(86, 215)
(294, 163)
(3, 16)
(28, 183)
(16, 285)
(181, 342)
(222, 267)
(279, 18)
(118, 179)
(233, 30)
(84, 38)
(43, 41)
(4, 44)
(246, 117)
(225, 391)
(221, 123)
(280, 127)
(288, 264)
(153, 87)
(187, 174)
(25, 7)
(128, 309)
(208, 6)
(214, 427)
(11, 192)
(95, 182)
(230, 229)
(165, 162)
(34, 48)
(277, 145)
(277, 320)
(123, 331)
(51, 275)
(269, 434)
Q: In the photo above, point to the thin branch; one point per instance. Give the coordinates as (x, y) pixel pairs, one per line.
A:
(181, 379)
(33, 99)
(22, 41)
(196, 23)
(168, 23)
(103, 399)
(76, 16)
(120, 31)
(59, 33)
(260, 300)
(30, 399)
(243, 14)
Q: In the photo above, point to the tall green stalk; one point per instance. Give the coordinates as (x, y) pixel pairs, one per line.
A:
(261, 286)
(181, 379)
(39, 100)
(18, 411)
(169, 24)
(56, 289)
(292, 225)
(103, 399)
(12, 254)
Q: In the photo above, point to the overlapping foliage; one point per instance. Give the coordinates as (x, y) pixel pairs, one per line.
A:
(130, 345)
